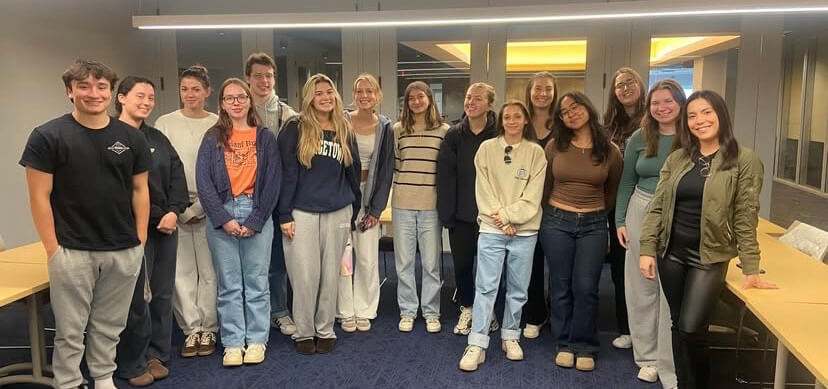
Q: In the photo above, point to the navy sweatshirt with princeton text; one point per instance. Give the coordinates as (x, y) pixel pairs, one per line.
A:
(327, 186)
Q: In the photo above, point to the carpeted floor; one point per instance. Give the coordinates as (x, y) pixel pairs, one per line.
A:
(386, 358)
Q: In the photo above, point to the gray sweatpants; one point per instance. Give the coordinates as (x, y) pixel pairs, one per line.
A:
(648, 312)
(91, 291)
(313, 258)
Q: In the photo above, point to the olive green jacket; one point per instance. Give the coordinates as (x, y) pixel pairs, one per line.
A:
(729, 215)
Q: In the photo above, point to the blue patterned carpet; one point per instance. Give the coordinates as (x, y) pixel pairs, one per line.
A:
(386, 358)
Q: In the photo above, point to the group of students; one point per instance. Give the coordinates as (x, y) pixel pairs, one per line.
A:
(178, 219)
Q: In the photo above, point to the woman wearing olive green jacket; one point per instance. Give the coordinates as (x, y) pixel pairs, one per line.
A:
(704, 212)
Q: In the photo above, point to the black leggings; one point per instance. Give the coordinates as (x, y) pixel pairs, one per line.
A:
(692, 294)
(463, 241)
(616, 257)
(536, 309)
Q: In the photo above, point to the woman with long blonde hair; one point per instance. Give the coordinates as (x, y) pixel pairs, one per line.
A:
(359, 292)
(318, 205)
(417, 139)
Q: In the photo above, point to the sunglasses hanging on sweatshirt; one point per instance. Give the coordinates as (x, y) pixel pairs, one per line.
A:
(506, 158)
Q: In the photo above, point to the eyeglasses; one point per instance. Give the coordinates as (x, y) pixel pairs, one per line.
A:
(506, 158)
(626, 85)
(573, 108)
(241, 99)
(262, 76)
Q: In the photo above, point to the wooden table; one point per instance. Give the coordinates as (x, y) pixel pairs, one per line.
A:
(797, 312)
(25, 276)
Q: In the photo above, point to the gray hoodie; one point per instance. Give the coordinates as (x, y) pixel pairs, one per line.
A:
(274, 113)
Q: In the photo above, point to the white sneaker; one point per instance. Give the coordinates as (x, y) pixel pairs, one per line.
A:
(513, 350)
(463, 326)
(255, 353)
(285, 325)
(406, 324)
(363, 324)
(349, 324)
(648, 374)
(472, 357)
(622, 341)
(532, 331)
(232, 356)
(433, 324)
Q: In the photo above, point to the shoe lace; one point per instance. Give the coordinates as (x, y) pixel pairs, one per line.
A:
(284, 321)
(256, 347)
(207, 337)
(465, 318)
(192, 340)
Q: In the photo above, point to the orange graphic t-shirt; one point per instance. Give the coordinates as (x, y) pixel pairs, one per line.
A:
(240, 161)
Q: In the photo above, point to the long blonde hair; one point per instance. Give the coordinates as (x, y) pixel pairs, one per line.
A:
(310, 130)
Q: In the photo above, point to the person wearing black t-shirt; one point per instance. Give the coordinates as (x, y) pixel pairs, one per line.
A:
(145, 342)
(87, 181)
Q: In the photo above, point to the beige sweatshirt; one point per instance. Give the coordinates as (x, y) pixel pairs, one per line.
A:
(514, 190)
(185, 135)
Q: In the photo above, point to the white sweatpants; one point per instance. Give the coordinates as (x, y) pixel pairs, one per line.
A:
(194, 299)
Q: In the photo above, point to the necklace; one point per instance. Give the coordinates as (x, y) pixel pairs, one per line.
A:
(704, 162)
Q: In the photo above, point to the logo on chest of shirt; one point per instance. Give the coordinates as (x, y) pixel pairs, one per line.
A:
(118, 148)
(522, 174)
(330, 149)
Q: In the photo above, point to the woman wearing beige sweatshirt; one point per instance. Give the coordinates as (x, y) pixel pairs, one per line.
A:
(508, 188)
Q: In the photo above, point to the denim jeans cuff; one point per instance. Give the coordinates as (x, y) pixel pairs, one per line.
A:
(480, 340)
(507, 334)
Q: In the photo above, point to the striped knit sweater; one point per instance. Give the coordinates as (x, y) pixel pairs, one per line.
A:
(415, 168)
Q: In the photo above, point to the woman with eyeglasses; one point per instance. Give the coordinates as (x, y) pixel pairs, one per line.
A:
(582, 175)
(456, 204)
(625, 108)
(237, 174)
(646, 151)
(541, 96)
(359, 292)
(417, 139)
(145, 343)
(510, 174)
(704, 212)
(318, 207)
(194, 298)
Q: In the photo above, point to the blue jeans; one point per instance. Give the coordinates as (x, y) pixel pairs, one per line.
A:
(278, 277)
(491, 253)
(414, 228)
(241, 265)
(575, 245)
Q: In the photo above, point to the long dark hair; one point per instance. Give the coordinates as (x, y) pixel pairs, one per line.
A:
(432, 114)
(126, 85)
(649, 126)
(224, 125)
(528, 131)
(528, 96)
(620, 125)
(728, 146)
(563, 135)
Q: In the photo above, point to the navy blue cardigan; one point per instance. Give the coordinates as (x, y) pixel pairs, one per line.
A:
(213, 183)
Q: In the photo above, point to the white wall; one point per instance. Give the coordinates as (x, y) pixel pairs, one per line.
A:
(38, 40)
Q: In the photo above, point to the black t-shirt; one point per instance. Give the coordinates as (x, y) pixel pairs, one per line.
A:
(92, 180)
(685, 237)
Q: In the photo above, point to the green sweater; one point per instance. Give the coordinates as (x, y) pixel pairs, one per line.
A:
(639, 170)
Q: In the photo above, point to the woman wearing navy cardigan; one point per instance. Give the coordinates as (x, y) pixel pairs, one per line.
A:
(237, 175)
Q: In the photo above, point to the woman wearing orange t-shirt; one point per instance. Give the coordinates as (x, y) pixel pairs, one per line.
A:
(237, 174)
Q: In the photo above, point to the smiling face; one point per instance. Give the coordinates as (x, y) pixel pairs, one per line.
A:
(192, 93)
(627, 89)
(91, 95)
(702, 120)
(262, 78)
(514, 121)
(139, 101)
(365, 96)
(417, 101)
(663, 107)
(542, 94)
(476, 103)
(235, 101)
(324, 98)
(573, 114)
